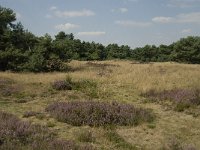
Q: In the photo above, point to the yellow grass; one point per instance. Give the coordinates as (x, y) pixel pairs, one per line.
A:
(121, 81)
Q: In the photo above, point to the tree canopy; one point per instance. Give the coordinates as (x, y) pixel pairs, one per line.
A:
(21, 50)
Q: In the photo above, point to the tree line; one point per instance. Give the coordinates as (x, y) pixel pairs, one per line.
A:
(21, 50)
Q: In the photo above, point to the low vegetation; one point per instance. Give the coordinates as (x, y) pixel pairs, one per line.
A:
(120, 143)
(17, 134)
(99, 113)
(7, 88)
(62, 85)
(175, 144)
(169, 85)
(85, 135)
(30, 114)
(181, 98)
(86, 86)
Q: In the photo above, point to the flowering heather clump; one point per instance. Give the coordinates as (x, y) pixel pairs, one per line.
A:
(182, 97)
(98, 113)
(62, 85)
(17, 134)
(30, 114)
(6, 87)
(14, 131)
(5, 81)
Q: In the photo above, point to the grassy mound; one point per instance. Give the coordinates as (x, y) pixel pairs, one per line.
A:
(99, 114)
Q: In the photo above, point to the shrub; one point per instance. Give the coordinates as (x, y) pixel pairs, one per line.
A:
(9, 90)
(88, 87)
(14, 131)
(98, 113)
(62, 85)
(17, 134)
(7, 87)
(30, 114)
(182, 98)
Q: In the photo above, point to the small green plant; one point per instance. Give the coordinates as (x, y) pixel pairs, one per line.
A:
(85, 136)
(181, 107)
(51, 124)
(151, 125)
(119, 142)
(40, 116)
(88, 87)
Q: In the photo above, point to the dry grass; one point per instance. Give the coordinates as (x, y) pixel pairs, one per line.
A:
(121, 81)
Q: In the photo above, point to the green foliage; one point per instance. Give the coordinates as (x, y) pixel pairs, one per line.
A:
(20, 50)
(88, 87)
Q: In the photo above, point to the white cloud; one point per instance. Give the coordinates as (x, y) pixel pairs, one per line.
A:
(123, 10)
(70, 14)
(53, 8)
(162, 19)
(193, 17)
(186, 31)
(96, 33)
(18, 15)
(66, 26)
(129, 23)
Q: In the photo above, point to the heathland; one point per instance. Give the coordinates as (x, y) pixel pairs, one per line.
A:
(66, 94)
(162, 99)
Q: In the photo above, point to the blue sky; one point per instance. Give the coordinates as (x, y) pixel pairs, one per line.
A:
(128, 22)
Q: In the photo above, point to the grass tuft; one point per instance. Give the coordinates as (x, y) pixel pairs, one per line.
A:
(119, 142)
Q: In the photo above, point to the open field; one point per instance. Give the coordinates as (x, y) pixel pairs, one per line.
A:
(107, 81)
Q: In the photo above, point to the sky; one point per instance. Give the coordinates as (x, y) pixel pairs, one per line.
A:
(125, 22)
